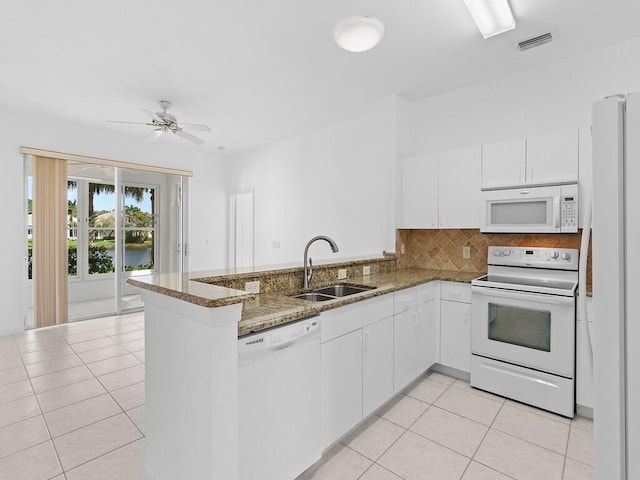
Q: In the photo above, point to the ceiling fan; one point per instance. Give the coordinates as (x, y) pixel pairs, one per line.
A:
(164, 122)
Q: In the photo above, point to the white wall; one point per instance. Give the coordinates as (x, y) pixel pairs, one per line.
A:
(338, 181)
(546, 99)
(207, 192)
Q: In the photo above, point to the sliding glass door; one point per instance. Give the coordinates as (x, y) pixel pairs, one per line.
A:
(120, 223)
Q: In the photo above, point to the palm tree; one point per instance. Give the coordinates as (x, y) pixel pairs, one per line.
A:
(136, 193)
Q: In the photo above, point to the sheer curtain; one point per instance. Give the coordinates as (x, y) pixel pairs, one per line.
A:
(49, 241)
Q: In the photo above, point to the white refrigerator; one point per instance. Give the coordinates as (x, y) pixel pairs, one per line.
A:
(616, 285)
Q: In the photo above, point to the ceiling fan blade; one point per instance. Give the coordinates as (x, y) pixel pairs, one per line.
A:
(195, 126)
(153, 136)
(153, 115)
(189, 137)
(131, 123)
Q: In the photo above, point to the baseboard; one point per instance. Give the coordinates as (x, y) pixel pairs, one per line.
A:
(452, 372)
(584, 411)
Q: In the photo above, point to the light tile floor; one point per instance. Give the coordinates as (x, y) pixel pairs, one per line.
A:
(72, 401)
(442, 429)
(72, 408)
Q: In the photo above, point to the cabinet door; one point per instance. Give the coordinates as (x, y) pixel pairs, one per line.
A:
(404, 348)
(455, 335)
(552, 158)
(341, 383)
(419, 192)
(377, 367)
(503, 163)
(427, 335)
(459, 188)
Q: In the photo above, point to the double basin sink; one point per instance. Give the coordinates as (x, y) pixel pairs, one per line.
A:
(332, 292)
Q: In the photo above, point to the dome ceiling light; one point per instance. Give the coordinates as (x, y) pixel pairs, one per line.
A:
(358, 33)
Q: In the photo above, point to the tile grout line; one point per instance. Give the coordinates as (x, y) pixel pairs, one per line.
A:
(107, 391)
(406, 429)
(50, 439)
(101, 455)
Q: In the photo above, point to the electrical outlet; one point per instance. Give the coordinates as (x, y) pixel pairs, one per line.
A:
(366, 270)
(402, 248)
(466, 252)
(342, 273)
(252, 287)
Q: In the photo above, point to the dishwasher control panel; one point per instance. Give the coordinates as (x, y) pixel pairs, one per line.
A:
(280, 335)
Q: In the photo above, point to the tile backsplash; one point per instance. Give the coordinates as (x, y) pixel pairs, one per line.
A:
(442, 249)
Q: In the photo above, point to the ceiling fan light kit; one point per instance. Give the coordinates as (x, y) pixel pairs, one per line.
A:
(358, 33)
(492, 17)
(164, 122)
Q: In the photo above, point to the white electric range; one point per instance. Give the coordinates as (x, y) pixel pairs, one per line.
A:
(523, 326)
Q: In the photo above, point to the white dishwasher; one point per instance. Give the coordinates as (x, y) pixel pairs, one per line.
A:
(279, 401)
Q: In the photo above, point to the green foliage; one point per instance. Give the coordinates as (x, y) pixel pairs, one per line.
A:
(99, 261)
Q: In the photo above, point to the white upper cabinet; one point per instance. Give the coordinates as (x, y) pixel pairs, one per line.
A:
(503, 163)
(419, 192)
(531, 161)
(552, 158)
(459, 188)
(441, 190)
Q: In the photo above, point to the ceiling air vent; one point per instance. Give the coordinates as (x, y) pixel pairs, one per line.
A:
(534, 42)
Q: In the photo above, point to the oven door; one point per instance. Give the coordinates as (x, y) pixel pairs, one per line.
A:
(528, 329)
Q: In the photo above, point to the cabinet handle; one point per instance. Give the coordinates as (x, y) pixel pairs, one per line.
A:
(415, 319)
(419, 317)
(530, 173)
(366, 341)
(406, 303)
(467, 314)
(359, 345)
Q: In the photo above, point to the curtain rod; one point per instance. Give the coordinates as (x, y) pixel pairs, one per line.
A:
(102, 161)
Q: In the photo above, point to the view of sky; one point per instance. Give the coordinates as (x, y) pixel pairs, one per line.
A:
(103, 201)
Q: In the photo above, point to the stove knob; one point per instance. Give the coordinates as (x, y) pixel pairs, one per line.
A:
(506, 252)
(565, 256)
(497, 253)
(554, 254)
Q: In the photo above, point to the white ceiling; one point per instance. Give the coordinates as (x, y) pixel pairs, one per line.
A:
(261, 71)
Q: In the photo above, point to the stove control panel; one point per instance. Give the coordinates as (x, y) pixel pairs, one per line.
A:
(536, 257)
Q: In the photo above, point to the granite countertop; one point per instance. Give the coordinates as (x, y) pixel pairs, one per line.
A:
(184, 288)
(271, 309)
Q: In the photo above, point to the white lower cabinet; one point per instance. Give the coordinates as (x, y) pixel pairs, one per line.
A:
(341, 383)
(455, 326)
(415, 332)
(357, 364)
(377, 365)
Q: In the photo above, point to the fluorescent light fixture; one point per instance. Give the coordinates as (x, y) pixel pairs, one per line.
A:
(359, 33)
(491, 16)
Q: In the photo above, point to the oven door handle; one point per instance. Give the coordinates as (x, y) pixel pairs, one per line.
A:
(533, 297)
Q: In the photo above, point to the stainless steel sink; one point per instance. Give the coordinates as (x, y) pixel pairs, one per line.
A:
(341, 290)
(314, 297)
(332, 292)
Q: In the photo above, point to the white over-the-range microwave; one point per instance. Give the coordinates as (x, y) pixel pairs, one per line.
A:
(549, 209)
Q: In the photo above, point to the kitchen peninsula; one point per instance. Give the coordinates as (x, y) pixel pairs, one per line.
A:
(195, 319)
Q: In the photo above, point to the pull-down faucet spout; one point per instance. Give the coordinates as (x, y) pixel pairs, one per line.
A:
(308, 269)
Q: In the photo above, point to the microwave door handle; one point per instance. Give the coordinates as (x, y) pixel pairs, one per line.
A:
(542, 298)
(556, 213)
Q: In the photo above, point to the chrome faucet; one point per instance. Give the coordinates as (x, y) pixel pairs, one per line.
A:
(308, 270)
